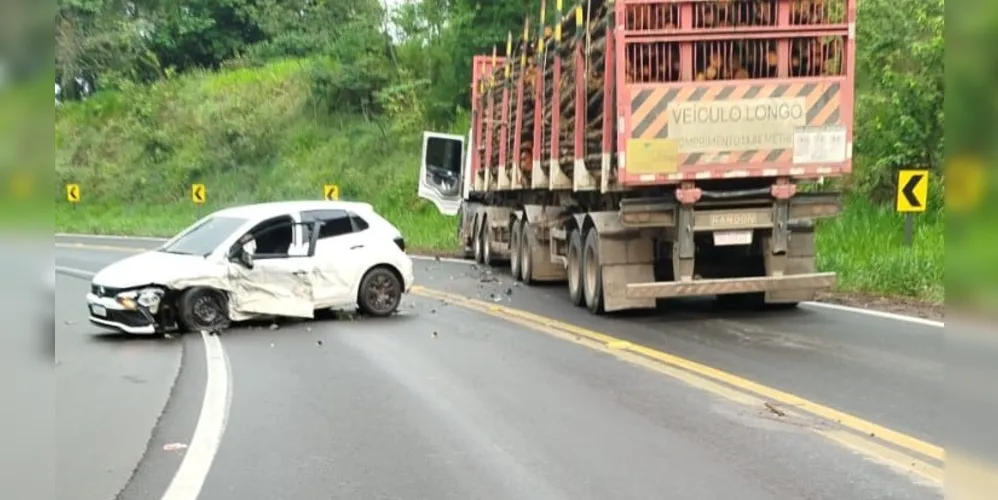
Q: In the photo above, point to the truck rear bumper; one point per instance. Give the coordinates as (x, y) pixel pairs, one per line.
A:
(811, 281)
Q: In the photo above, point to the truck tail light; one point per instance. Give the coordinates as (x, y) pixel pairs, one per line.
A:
(400, 241)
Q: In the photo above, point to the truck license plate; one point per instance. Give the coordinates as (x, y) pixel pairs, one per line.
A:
(98, 311)
(728, 238)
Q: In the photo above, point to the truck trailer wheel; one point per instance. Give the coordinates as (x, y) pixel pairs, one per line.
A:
(478, 243)
(526, 254)
(467, 250)
(575, 289)
(592, 273)
(515, 244)
(488, 256)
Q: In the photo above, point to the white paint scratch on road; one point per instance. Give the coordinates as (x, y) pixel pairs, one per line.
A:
(193, 471)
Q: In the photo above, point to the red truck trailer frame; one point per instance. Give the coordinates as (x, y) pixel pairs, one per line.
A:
(637, 116)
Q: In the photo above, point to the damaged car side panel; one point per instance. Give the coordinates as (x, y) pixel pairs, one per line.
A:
(243, 263)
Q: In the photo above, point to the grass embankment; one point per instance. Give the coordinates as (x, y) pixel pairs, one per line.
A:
(253, 135)
(248, 135)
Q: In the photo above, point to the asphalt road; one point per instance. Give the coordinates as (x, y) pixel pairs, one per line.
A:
(443, 402)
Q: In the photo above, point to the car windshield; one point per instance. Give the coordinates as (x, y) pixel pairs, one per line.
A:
(204, 236)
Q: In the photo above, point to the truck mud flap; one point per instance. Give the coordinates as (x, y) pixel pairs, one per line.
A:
(812, 281)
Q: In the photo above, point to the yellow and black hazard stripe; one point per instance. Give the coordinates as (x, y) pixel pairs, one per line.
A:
(650, 118)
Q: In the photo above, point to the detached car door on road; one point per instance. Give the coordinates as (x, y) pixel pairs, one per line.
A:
(280, 276)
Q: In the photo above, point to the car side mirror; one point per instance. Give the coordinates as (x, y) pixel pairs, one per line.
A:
(240, 255)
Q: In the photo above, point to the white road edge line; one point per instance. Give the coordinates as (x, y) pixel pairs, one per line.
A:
(214, 416)
(76, 273)
(108, 237)
(825, 305)
(879, 314)
(193, 470)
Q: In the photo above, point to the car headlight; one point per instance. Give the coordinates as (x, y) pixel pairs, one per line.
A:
(149, 298)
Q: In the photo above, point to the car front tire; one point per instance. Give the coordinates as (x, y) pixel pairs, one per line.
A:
(203, 309)
(380, 292)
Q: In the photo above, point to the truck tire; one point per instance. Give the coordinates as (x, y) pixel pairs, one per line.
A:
(526, 253)
(575, 288)
(467, 250)
(488, 255)
(592, 273)
(515, 245)
(478, 243)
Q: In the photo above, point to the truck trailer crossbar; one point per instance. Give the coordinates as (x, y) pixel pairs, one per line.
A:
(811, 281)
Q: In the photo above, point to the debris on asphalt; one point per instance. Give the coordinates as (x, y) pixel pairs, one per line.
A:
(774, 410)
(274, 326)
(174, 447)
(318, 342)
(434, 334)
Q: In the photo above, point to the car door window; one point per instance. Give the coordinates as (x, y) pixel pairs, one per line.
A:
(358, 222)
(334, 223)
(272, 238)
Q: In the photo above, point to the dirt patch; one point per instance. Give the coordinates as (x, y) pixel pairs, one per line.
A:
(897, 305)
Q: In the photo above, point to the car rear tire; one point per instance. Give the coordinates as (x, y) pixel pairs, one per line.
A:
(380, 292)
(203, 309)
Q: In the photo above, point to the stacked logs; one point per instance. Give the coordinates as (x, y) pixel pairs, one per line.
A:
(653, 62)
(594, 55)
(658, 62)
(652, 17)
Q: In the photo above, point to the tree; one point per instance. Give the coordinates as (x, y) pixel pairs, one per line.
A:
(899, 111)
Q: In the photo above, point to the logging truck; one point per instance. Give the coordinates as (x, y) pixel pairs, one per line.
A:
(650, 149)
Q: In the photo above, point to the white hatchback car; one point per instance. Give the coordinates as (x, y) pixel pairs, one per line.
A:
(270, 259)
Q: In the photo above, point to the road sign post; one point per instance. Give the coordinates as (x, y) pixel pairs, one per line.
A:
(73, 193)
(198, 195)
(331, 192)
(912, 197)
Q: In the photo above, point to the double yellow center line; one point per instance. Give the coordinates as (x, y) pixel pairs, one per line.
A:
(873, 440)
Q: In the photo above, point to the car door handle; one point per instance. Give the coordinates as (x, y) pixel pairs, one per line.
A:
(356, 247)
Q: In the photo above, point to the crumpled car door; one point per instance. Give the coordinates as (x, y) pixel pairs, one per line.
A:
(279, 287)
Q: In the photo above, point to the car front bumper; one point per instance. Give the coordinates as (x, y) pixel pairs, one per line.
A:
(108, 313)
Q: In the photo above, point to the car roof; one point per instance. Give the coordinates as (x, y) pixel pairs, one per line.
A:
(274, 208)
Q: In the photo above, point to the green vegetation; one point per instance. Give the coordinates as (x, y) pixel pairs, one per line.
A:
(241, 96)
(866, 247)
(248, 135)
